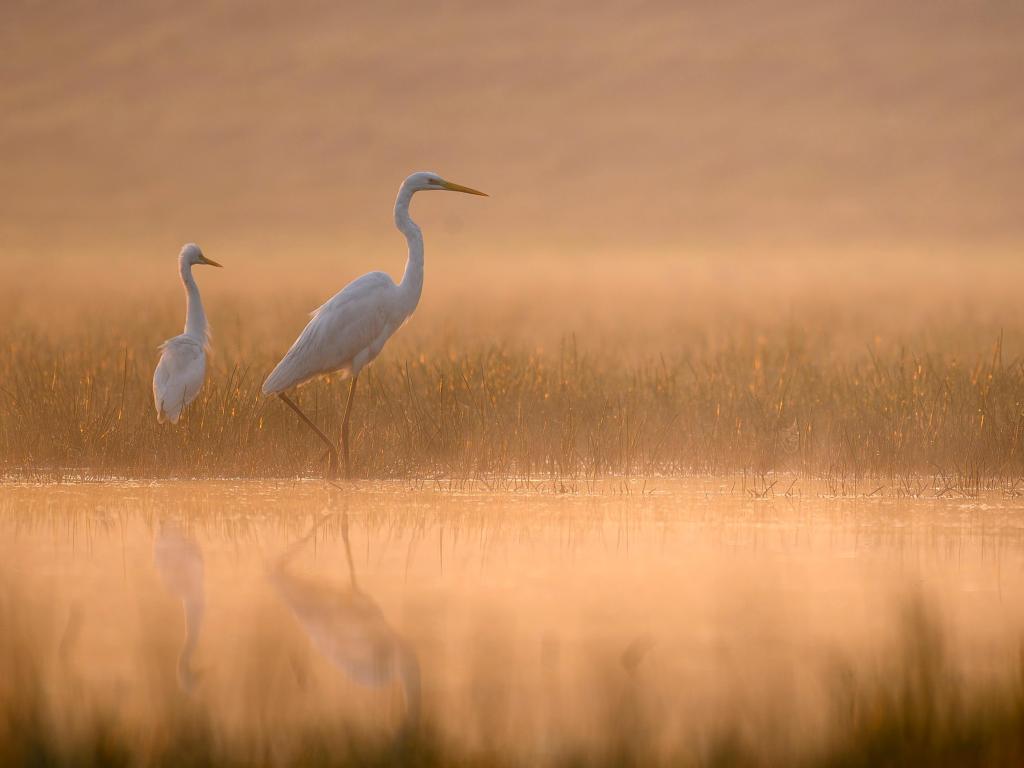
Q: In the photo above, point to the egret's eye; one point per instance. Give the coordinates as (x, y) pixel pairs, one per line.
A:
(433, 181)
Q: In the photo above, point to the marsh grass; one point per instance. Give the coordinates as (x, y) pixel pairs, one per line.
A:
(80, 403)
(903, 373)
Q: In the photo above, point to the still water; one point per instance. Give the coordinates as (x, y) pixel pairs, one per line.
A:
(529, 622)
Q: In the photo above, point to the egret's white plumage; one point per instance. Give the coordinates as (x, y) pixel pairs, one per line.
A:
(182, 368)
(344, 334)
(350, 329)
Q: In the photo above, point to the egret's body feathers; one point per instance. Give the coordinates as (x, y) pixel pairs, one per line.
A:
(178, 377)
(182, 368)
(344, 334)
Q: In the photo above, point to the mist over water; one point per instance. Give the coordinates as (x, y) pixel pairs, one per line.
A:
(705, 445)
(526, 623)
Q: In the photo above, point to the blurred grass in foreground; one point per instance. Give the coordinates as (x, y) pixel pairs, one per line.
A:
(911, 709)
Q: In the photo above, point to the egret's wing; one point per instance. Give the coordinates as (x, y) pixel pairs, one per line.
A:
(179, 376)
(356, 320)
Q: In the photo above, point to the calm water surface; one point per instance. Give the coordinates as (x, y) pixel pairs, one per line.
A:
(524, 620)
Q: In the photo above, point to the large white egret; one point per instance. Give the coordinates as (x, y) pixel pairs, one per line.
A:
(179, 374)
(350, 329)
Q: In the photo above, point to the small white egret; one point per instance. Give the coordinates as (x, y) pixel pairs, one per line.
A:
(179, 374)
(351, 328)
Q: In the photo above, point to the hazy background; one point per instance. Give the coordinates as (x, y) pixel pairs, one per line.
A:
(617, 127)
(652, 166)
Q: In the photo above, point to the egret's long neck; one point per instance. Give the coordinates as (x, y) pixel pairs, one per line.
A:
(195, 317)
(412, 281)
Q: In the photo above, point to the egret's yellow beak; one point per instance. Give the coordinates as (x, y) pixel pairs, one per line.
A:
(211, 262)
(459, 188)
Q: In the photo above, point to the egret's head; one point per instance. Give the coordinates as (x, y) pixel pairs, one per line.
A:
(191, 254)
(425, 181)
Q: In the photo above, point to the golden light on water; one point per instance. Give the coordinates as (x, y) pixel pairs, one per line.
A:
(536, 624)
(703, 446)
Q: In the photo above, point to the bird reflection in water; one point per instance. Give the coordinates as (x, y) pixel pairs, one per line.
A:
(179, 561)
(348, 628)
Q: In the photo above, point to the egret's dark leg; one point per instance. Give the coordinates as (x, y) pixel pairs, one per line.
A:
(331, 449)
(344, 425)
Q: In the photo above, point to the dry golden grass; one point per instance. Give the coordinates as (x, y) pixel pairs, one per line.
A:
(833, 370)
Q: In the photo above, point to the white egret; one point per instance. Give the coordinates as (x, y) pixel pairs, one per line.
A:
(179, 374)
(351, 328)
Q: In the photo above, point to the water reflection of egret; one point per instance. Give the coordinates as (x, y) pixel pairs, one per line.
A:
(179, 561)
(348, 628)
